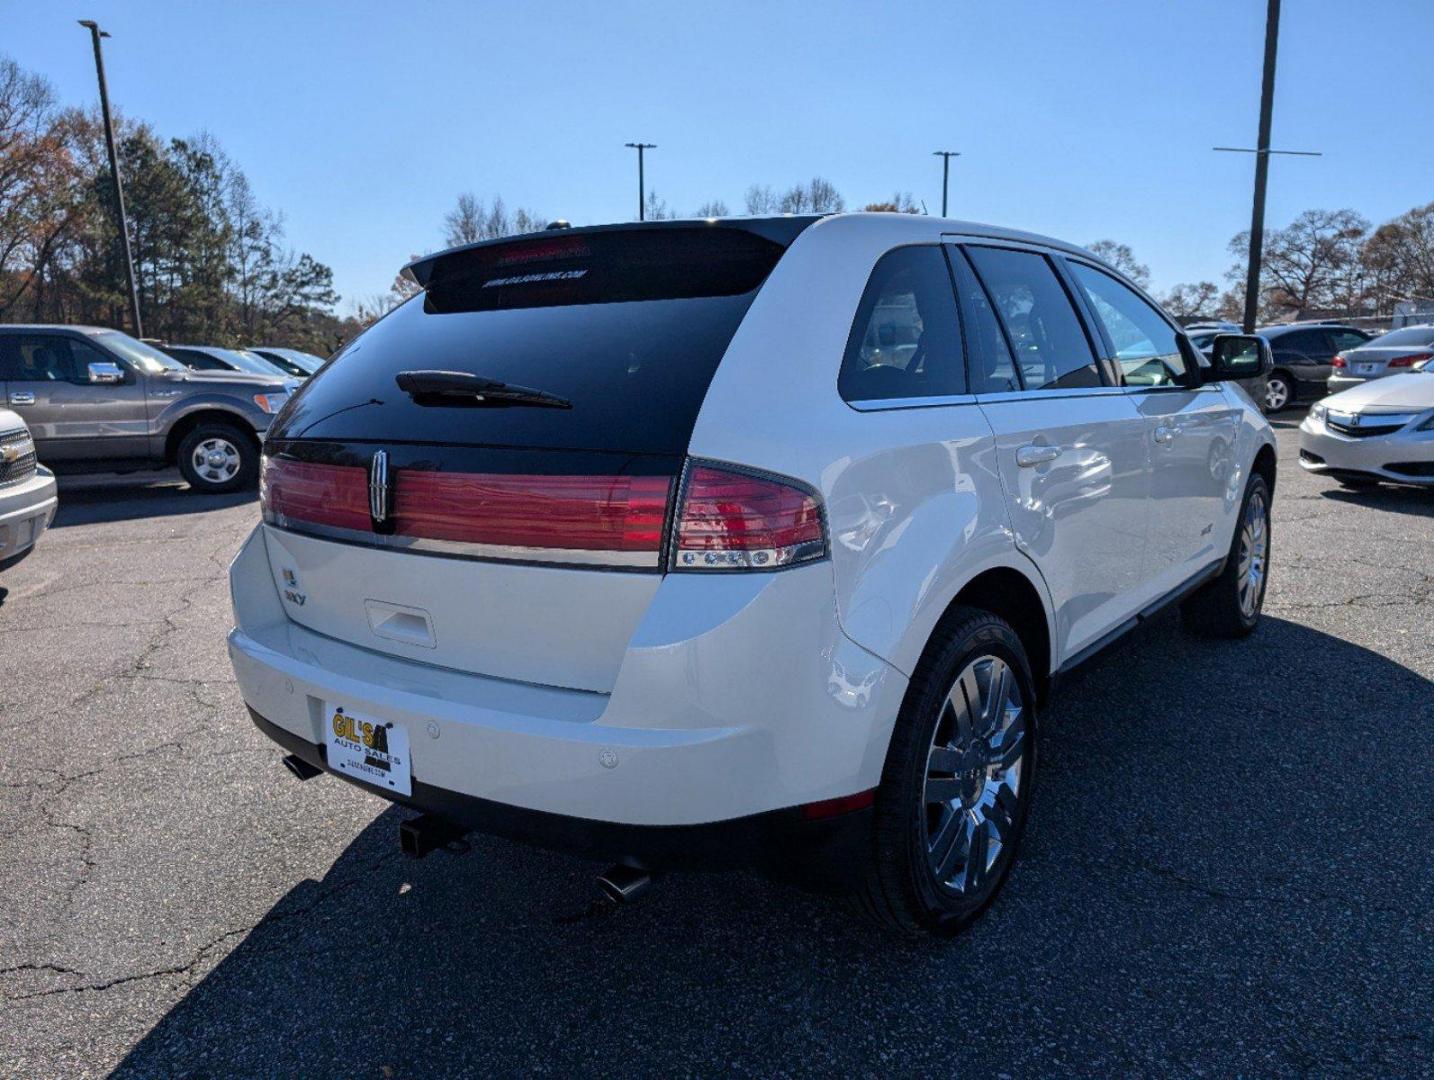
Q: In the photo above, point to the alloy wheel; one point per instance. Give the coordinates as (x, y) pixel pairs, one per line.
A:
(1277, 394)
(1254, 549)
(216, 460)
(974, 775)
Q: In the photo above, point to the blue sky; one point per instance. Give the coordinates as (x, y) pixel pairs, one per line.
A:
(361, 121)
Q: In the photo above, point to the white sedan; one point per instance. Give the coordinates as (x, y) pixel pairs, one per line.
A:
(1381, 430)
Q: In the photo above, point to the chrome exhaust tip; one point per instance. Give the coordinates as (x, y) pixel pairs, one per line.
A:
(623, 883)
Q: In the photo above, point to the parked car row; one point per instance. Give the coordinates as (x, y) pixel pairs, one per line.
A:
(1312, 359)
(266, 361)
(98, 400)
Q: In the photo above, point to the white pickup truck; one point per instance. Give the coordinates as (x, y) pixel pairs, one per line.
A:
(27, 491)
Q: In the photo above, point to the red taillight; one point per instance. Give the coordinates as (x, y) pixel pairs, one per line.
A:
(1339, 361)
(732, 520)
(611, 514)
(1410, 360)
(302, 491)
(816, 811)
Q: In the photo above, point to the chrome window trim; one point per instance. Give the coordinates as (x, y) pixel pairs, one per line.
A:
(1062, 392)
(892, 404)
(507, 553)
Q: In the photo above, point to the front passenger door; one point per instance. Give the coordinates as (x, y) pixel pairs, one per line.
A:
(1191, 430)
(48, 382)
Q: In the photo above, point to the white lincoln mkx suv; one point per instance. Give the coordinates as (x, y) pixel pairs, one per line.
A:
(741, 542)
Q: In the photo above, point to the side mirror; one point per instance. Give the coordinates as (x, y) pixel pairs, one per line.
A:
(1238, 356)
(106, 373)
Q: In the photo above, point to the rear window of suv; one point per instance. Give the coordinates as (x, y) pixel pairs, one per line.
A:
(629, 326)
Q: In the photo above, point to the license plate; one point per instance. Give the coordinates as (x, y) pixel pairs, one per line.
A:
(1365, 369)
(368, 749)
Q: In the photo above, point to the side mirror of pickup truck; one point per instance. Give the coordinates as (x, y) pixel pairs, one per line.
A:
(105, 373)
(1238, 356)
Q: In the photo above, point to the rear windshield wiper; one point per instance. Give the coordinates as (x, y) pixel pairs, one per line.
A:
(462, 388)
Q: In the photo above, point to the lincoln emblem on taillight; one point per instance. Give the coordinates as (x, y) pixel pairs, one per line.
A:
(378, 490)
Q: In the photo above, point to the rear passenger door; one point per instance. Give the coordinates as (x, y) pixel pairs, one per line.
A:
(1191, 431)
(1308, 355)
(1070, 444)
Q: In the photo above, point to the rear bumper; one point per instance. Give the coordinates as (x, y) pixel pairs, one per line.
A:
(719, 712)
(26, 510)
(825, 852)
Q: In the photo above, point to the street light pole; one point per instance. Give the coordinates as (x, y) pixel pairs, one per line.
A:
(640, 147)
(945, 156)
(95, 34)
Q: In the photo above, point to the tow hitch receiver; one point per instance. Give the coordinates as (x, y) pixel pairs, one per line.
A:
(429, 832)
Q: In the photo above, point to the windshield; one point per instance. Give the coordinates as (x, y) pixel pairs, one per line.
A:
(145, 357)
(1409, 335)
(308, 361)
(245, 360)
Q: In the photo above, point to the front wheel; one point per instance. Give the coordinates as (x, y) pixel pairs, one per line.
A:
(1229, 606)
(956, 787)
(215, 458)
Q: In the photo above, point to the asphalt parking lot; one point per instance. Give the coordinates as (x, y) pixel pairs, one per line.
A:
(1228, 868)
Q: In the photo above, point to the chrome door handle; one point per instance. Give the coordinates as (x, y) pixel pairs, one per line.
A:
(22, 397)
(1165, 434)
(1029, 456)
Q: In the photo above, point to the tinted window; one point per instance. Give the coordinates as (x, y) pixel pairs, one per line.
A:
(633, 346)
(143, 356)
(906, 338)
(1347, 339)
(198, 361)
(1311, 343)
(1144, 342)
(48, 358)
(1051, 348)
(990, 367)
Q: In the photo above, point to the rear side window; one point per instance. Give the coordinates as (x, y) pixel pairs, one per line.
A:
(906, 339)
(1051, 348)
(628, 327)
(1144, 342)
(1347, 339)
(1311, 343)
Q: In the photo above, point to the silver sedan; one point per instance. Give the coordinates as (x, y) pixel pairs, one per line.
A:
(1381, 430)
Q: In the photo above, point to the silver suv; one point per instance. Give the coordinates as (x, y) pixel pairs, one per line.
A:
(97, 400)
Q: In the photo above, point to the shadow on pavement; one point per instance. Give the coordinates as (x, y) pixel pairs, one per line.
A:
(1211, 853)
(89, 501)
(1396, 500)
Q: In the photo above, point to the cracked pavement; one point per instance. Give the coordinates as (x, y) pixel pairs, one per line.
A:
(1227, 871)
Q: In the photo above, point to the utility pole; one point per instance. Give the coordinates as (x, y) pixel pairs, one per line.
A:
(1262, 154)
(95, 34)
(640, 147)
(945, 156)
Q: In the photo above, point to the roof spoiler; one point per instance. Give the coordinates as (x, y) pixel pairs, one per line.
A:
(779, 230)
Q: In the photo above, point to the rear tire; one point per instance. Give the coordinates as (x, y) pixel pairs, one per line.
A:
(216, 458)
(956, 787)
(1229, 606)
(1279, 392)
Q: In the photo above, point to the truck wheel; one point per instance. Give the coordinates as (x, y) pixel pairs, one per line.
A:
(216, 458)
(956, 786)
(1229, 606)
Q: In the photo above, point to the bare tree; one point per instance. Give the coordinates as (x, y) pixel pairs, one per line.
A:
(656, 208)
(760, 199)
(1398, 259)
(899, 203)
(1192, 300)
(1123, 259)
(1312, 264)
(472, 220)
(713, 208)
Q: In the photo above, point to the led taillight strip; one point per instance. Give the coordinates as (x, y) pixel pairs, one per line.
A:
(584, 520)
